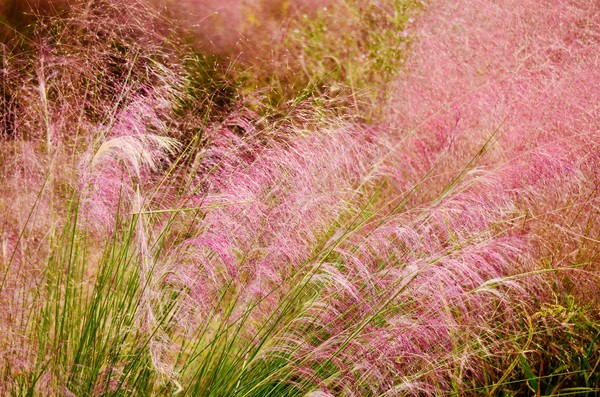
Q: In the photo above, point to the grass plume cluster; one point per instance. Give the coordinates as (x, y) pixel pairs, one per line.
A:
(341, 198)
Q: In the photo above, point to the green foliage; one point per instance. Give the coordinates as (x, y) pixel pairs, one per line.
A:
(208, 87)
(557, 354)
(348, 52)
(565, 352)
(339, 58)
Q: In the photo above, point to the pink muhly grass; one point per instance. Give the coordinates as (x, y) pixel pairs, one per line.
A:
(126, 157)
(242, 29)
(427, 290)
(466, 83)
(26, 217)
(448, 259)
(471, 74)
(76, 90)
(262, 220)
(396, 260)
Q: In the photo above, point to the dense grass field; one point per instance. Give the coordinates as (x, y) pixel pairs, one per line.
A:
(300, 198)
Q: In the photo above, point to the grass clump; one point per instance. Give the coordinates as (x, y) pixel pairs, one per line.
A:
(177, 220)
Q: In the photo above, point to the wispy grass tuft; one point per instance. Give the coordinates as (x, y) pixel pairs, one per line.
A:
(177, 220)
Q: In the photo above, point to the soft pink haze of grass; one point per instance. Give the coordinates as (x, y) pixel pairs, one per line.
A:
(268, 207)
(241, 28)
(513, 74)
(487, 167)
(532, 72)
(525, 77)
